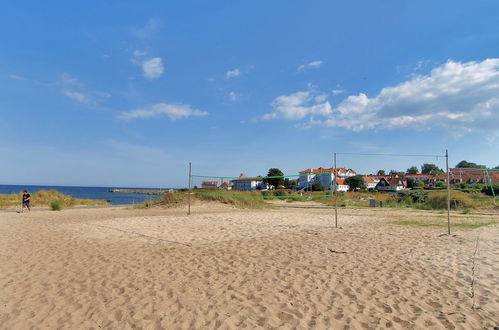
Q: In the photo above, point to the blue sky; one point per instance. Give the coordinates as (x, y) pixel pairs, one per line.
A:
(126, 93)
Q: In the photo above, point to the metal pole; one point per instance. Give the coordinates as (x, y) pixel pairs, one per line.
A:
(189, 193)
(448, 190)
(335, 194)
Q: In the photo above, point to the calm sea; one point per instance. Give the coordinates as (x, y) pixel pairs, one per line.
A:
(85, 192)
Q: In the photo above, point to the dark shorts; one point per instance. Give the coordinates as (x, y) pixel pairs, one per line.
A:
(26, 204)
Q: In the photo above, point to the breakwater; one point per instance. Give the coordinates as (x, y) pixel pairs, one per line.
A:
(141, 191)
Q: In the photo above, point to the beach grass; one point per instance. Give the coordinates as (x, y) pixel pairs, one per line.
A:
(460, 224)
(178, 198)
(44, 198)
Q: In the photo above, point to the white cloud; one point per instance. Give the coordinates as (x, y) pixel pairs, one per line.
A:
(458, 96)
(338, 91)
(320, 98)
(87, 97)
(463, 96)
(153, 68)
(232, 73)
(298, 106)
(15, 77)
(313, 64)
(233, 96)
(139, 53)
(172, 111)
(147, 31)
(70, 80)
(77, 96)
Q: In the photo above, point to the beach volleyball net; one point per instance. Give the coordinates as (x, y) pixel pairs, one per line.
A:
(303, 186)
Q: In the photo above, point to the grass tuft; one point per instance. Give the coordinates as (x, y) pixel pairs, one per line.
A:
(461, 224)
(55, 205)
(42, 198)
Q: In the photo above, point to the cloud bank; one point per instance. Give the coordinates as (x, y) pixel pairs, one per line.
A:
(458, 96)
(170, 110)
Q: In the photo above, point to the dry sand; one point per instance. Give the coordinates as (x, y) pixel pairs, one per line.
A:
(226, 268)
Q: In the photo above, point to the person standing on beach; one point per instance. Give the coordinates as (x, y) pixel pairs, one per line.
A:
(26, 201)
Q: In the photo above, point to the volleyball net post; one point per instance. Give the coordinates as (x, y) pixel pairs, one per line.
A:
(190, 190)
(335, 185)
(492, 188)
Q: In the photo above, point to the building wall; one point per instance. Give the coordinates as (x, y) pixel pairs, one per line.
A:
(245, 185)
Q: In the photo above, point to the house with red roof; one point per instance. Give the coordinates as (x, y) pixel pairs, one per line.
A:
(370, 181)
(226, 186)
(395, 183)
(341, 185)
(209, 184)
(245, 183)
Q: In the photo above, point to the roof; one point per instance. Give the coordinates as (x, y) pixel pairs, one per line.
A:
(419, 175)
(394, 181)
(319, 170)
(467, 170)
(248, 179)
(226, 184)
(369, 179)
(340, 181)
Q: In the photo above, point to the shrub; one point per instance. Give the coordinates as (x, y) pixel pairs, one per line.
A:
(458, 200)
(280, 192)
(317, 186)
(55, 205)
(409, 197)
(488, 189)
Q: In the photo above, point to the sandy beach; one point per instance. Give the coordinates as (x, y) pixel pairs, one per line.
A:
(117, 268)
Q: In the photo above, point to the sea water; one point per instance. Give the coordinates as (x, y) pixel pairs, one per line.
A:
(103, 193)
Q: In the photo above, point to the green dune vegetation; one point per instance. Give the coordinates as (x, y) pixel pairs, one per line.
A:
(178, 198)
(47, 198)
(418, 199)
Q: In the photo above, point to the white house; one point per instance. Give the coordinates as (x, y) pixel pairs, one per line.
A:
(390, 184)
(341, 185)
(244, 183)
(226, 186)
(370, 181)
(323, 175)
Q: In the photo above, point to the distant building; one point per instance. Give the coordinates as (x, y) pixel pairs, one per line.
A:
(391, 184)
(341, 185)
(323, 175)
(246, 184)
(209, 184)
(370, 181)
(226, 186)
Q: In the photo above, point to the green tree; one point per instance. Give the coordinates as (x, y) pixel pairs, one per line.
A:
(439, 184)
(465, 164)
(420, 184)
(496, 168)
(381, 172)
(317, 186)
(412, 170)
(431, 169)
(289, 184)
(274, 181)
(356, 182)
